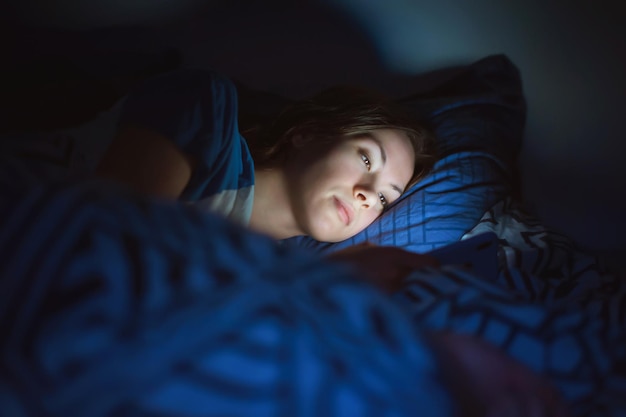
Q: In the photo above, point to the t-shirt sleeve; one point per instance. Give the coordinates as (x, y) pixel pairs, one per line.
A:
(197, 110)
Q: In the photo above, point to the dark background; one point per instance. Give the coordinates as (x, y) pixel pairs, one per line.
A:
(64, 60)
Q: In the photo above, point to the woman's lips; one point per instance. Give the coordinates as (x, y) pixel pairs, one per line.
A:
(345, 211)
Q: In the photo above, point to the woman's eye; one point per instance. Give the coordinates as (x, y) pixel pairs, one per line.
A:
(383, 200)
(366, 161)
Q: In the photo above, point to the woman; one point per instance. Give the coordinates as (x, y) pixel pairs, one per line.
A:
(326, 167)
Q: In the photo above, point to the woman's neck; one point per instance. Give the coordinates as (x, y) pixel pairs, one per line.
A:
(271, 211)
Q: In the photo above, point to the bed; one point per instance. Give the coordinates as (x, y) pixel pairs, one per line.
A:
(79, 261)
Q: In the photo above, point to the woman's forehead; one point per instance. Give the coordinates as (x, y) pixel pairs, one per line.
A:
(396, 151)
(387, 138)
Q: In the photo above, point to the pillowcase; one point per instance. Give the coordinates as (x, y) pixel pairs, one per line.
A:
(477, 113)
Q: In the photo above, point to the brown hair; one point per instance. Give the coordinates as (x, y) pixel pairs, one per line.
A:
(340, 112)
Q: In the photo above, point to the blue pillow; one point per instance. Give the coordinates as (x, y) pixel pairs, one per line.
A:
(477, 113)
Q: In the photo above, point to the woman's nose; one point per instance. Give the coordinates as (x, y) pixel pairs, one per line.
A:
(365, 196)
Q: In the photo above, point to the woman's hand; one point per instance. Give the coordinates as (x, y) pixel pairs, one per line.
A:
(383, 266)
(485, 381)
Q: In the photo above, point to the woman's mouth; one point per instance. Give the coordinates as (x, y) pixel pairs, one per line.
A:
(345, 212)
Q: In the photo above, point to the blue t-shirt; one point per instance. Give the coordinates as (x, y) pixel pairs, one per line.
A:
(197, 110)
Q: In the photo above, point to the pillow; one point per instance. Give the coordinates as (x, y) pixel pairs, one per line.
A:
(477, 113)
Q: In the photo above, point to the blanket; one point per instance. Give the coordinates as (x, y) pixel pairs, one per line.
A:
(115, 305)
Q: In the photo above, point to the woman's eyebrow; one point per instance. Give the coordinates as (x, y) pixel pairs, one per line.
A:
(373, 138)
(383, 156)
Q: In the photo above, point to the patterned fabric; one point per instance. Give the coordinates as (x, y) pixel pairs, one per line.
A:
(111, 306)
(553, 307)
(580, 348)
(116, 306)
(543, 265)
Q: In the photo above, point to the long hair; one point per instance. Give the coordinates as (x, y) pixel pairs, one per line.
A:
(336, 113)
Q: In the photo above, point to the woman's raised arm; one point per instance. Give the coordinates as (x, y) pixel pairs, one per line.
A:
(148, 162)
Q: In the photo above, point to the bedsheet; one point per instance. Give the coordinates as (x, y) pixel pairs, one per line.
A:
(553, 307)
(113, 304)
(541, 264)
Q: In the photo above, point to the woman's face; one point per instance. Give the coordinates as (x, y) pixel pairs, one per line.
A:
(338, 189)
